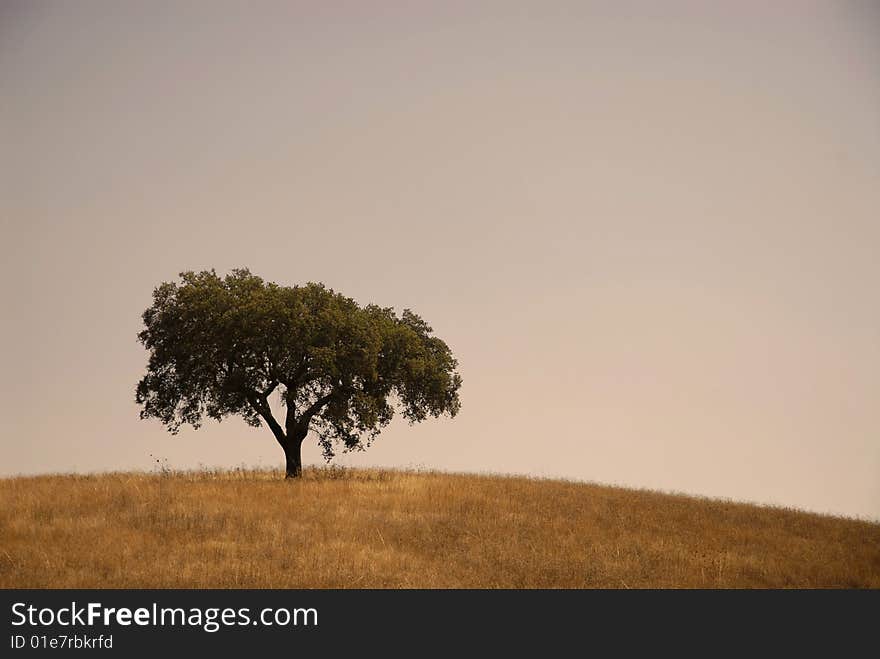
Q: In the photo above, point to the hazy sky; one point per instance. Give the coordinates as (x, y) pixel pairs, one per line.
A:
(649, 231)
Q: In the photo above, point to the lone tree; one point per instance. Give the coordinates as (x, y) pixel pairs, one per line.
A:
(222, 346)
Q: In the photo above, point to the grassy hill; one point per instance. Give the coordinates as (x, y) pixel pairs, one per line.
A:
(390, 529)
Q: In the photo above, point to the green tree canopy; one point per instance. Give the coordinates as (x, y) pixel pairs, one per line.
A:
(221, 346)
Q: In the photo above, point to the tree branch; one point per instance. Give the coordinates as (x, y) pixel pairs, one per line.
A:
(314, 408)
(261, 405)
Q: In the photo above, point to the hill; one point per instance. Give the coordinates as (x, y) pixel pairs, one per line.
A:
(391, 529)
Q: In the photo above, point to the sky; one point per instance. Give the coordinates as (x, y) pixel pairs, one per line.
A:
(648, 231)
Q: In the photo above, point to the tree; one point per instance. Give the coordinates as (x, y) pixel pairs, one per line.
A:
(222, 346)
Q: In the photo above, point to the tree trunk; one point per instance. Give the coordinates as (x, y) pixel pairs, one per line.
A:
(293, 457)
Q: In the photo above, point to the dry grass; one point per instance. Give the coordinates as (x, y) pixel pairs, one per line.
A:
(388, 529)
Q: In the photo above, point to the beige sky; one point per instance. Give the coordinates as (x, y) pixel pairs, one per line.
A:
(649, 231)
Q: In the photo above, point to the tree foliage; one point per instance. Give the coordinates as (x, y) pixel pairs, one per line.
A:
(221, 346)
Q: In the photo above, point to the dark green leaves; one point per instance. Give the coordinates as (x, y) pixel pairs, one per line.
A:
(221, 346)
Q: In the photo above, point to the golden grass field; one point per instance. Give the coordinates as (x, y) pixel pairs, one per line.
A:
(391, 529)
